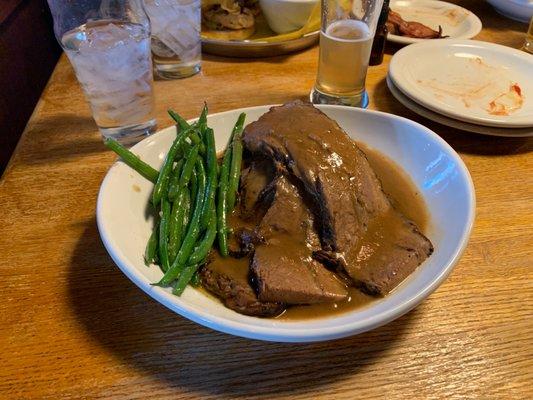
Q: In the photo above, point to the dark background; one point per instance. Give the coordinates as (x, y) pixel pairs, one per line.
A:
(28, 54)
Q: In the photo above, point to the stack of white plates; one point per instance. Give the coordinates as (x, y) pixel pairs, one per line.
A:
(474, 86)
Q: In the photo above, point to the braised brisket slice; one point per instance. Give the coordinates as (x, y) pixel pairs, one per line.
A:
(255, 195)
(283, 266)
(348, 199)
(230, 282)
(256, 189)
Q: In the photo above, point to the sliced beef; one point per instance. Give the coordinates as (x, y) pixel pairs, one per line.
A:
(255, 195)
(284, 268)
(242, 241)
(256, 189)
(230, 282)
(347, 195)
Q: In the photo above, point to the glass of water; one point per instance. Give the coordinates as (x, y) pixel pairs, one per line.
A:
(108, 44)
(347, 31)
(176, 43)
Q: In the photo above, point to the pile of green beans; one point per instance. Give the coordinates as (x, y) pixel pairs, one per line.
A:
(192, 195)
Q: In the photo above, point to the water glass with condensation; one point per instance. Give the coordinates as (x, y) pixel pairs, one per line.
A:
(108, 44)
(346, 35)
(176, 42)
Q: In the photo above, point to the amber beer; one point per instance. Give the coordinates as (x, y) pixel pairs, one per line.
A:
(346, 34)
(344, 54)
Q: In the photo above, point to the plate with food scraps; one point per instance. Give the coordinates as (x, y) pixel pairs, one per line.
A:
(285, 279)
(413, 21)
(476, 82)
(251, 35)
(455, 123)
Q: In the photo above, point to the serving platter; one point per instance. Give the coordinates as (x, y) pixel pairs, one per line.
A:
(125, 224)
(477, 82)
(456, 22)
(263, 43)
(253, 48)
(454, 123)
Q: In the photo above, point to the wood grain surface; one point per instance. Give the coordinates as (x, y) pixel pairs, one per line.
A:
(73, 326)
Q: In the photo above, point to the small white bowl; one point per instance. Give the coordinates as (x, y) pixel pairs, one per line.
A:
(287, 15)
(435, 168)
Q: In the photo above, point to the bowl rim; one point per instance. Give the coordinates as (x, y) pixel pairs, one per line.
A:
(291, 334)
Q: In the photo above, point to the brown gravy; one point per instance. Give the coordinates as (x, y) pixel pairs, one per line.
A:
(403, 193)
(405, 197)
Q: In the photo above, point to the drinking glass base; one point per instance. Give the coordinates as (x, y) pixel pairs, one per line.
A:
(176, 71)
(361, 100)
(130, 134)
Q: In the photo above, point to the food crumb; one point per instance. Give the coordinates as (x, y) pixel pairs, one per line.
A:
(136, 188)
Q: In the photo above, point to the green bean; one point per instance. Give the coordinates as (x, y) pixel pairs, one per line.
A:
(202, 121)
(195, 280)
(222, 224)
(161, 185)
(163, 234)
(200, 143)
(174, 182)
(235, 173)
(184, 278)
(193, 184)
(202, 249)
(151, 246)
(211, 187)
(198, 257)
(222, 198)
(132, 160)
(182, 123)
(188, 166)
(192, 234)
(175, 225)
(186, 213)
(236, 160)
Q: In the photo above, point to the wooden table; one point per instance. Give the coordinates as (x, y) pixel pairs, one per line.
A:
(73, 326)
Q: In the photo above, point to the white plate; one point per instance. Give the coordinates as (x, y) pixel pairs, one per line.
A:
(460, 79)
(435, 168)
(519, 10)
(456, 22)
(465, 126)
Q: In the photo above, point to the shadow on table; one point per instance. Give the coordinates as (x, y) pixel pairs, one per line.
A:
(60, 138)
(461, 141)
(192, 359)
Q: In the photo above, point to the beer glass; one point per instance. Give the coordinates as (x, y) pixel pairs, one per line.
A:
(347, 31)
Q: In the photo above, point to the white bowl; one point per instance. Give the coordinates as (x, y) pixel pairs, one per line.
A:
(519, 10)
(439, 173)
(287, 15)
